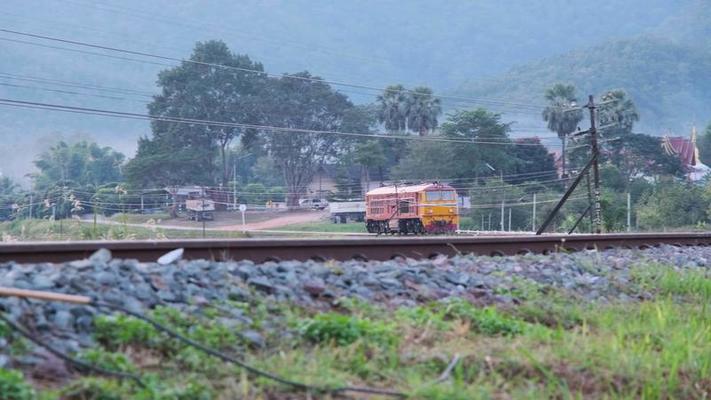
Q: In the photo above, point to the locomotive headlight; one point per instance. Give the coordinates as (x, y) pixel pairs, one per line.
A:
(451, 210)
(428, 210)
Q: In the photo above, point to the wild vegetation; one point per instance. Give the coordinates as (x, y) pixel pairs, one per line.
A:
(550, 345)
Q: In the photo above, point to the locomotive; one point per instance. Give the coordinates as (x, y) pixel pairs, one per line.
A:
(417, 209)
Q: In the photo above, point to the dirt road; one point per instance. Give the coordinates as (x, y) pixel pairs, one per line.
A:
(288, 218)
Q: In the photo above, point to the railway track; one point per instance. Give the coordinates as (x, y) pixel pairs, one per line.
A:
(371, 248)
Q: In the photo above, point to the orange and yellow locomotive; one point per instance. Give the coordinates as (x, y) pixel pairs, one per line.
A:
(418, 209)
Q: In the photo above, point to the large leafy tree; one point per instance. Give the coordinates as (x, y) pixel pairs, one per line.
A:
(215, 85)
(458, 159)
(9, 195)
(393, 106)
(82, 163)
(704, 145)
(560, 115)
(637, 155)
(369, 155)
(533, 160)
(302, 102)
(423, 110)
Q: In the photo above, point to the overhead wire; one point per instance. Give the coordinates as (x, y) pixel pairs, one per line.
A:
(257, 71)
(191, 121)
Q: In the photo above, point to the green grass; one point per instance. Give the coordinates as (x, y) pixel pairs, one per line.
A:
(351, 227)
(550, 346)
(27, 230)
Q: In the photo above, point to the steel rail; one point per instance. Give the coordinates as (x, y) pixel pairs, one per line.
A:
(371, 248)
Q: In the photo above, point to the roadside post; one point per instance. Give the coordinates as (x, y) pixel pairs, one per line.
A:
(243, 209)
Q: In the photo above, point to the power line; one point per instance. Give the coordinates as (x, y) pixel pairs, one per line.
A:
(190, 121)
(250, 70)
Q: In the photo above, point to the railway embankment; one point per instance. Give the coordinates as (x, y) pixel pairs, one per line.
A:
(302, 309)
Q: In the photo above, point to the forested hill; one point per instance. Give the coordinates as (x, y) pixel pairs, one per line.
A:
(666, 71)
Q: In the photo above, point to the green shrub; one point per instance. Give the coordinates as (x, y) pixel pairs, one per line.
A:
(92, 389)
(115, 331)
(14, 387)
(344, 330)
(487, 321)
(108, 360)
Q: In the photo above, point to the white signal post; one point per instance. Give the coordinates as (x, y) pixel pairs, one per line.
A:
(243, 209)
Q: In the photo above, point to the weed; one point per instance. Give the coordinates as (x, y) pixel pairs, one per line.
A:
(344, 330)
(108, 360)
(487, 321)
(14, 387)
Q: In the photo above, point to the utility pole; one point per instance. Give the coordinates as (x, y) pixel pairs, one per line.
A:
(592, 163)
(30, 205)
(629, 212)
(234, 185)
(509, 219)
(595, 166)
(502, 213)
(202, 213)
(533, 218)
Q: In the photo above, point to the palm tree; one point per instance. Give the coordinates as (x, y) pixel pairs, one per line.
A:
(560, 115)
(392, 108)
(617, 113)
(423, 110)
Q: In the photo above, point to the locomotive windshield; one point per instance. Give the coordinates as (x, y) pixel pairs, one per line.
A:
(436, 195)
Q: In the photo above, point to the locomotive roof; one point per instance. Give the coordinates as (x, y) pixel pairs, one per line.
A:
(409, 189)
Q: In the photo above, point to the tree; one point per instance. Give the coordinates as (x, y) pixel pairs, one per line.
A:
(704, 145)
(83, 163)
(616, 114)
(560, 114)
(302, 101)
(532, 159)
(392, 108)
(215, 85)
(422, 110)
(457, 159)
(369, 155)
(9, 196)
(638, 155)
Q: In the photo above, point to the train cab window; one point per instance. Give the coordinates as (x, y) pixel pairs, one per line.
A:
(437, 195)
(434, 196)
(404, 207)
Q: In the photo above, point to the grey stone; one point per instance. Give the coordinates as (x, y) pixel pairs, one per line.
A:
(315, 286)
(262, 284)
(41, 282)
(171, 257)
(105, 278)
(457, 278)
(101, 256)
(254, 338)
(63, 320)
(246, 271)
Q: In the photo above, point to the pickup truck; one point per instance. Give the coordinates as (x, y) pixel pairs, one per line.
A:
(347, 210)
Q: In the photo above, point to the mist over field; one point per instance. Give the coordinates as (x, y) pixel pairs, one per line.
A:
(509, 51)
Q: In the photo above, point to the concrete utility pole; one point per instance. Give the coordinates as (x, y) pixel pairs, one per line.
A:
(596, 171)
(533, 218)
(629, 212)
(234, 185)
(502, 214)
(509, 219)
